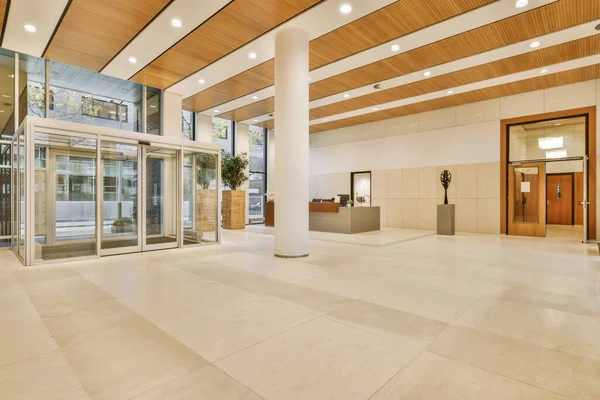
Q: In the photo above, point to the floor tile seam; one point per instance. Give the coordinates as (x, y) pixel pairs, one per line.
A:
(42, 354)
(265, 339)
(397, 373)
(272, 298)
(428, 350)
(525, 303)
(412, 346)
(133, 397)
(595, 360)
(597, 318)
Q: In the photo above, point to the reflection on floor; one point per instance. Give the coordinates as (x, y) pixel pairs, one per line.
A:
(384, 237)
(570, 233)
(460, 317)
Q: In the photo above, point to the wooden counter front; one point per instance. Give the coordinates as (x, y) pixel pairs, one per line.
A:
(328, 207)
(312, 207)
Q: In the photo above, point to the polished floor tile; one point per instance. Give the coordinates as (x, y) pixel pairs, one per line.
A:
(320, 359)
(398, 314)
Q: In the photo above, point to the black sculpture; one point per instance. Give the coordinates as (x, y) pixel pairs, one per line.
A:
(445, 178)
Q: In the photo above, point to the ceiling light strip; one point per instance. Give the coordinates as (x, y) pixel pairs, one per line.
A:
(552, 39)
(161, 35)
(462, 23)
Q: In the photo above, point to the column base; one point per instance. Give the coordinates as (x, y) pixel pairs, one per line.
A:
(280, 256)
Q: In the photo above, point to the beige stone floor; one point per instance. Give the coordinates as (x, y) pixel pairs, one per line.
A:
(464, 317)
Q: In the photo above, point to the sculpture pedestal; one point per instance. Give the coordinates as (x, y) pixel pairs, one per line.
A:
(446, 219)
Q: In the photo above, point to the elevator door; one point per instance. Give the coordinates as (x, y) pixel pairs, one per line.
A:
(527, 199)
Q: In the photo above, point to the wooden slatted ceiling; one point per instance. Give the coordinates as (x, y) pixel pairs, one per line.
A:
(240, 22)
(535, 59)
(3, 13)
(388, 23)
(92, 32)
(528, 85)
(537, 22)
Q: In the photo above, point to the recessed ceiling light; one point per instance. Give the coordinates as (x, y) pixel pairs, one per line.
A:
(557, 124)
(533, 45)
(395, 47)
(549, 143)
(254, 97)
(11, 76)
(255, 120)
(309, 78)
(375, 108)
(30, 28)
(202, 81)
(152, 106)
(346, 95)
(427, 73)
(521, 3)
(543, 71)
(5, 95)
(176, 23)
(326, 119)
(559, 153)
(450, 91)
(345, 8)
(1, 111)
(216, 111)
(252, 56)
(132, 60)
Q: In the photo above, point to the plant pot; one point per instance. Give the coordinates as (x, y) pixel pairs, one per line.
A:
(122, 229)
(234, 209)
(206, 210)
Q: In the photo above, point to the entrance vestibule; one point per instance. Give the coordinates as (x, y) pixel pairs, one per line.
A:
(85, 191)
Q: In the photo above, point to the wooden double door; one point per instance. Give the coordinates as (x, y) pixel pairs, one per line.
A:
(564, 198)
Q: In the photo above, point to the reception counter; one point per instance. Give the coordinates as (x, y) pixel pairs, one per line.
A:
(330, 217)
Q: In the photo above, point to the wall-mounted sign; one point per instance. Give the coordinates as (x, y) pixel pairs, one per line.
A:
(525, 187)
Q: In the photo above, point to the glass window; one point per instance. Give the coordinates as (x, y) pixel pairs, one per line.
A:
(87, 97)
(7, 122)
(153, 111)
(223, 133)
(560, 138)
(187, 125)
(32, 86)
(258, 169)
(200, 200)
(5, 194)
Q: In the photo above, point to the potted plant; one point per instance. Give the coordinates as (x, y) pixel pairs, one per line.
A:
(206, 172)
(233, 174)
(123, 225)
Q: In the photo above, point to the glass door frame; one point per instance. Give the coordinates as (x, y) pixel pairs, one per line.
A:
(35, 125)
(178, 198)
(100, 204)
(527, 228)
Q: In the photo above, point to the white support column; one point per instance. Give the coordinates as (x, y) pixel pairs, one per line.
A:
(291, 146)
(171, 116)
(204, 128)
(242, 145)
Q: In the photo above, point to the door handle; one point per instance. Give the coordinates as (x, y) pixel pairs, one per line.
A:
(581, 203)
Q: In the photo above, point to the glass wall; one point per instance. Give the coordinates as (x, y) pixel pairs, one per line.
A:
(86, 97)
(32, 87)
(7, 91)
(161, 194)
(200, 200)
(5, 193)
(223, 132)
(187, 124)
(258, 172)
(65, 196)
(153, 111)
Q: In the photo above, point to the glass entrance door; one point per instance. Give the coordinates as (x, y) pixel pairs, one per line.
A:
(527, 199)
(160, 225)
(120, 198)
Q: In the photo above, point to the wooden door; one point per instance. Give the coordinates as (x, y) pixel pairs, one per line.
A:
(560, 199)
(578, 198)
(527, 199)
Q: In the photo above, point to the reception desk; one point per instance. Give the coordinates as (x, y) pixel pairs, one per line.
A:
(330, 217)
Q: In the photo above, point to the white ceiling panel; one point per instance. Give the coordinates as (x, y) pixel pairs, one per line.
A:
(160, 35)
(42, 14)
